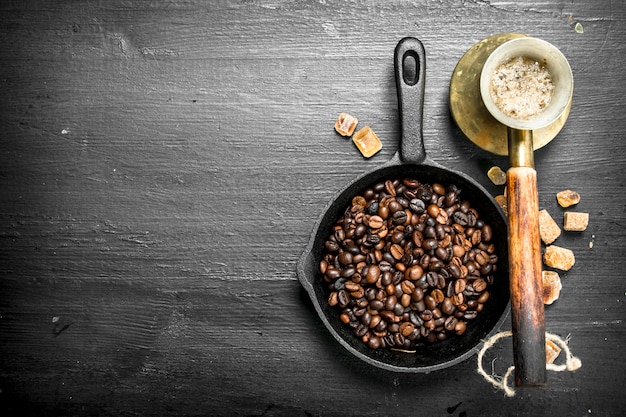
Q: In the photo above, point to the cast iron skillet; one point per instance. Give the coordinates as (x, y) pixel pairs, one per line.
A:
(411, 161)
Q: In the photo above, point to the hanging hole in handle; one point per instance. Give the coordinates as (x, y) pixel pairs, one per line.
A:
(410, 68)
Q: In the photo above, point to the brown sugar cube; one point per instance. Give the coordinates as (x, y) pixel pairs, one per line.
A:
(548, 229)
(575, 221)
(345, 124)
(502, 201)
(567, 198)
(367, 141)
(551, 282)
(559, 258)
(552, 351)
(496, 175)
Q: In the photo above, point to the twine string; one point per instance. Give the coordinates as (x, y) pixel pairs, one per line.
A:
(571, 364)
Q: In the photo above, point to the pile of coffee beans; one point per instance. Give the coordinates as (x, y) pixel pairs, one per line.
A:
(408, 263)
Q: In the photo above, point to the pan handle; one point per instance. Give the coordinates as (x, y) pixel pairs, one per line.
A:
(410, 69)
(527, 310)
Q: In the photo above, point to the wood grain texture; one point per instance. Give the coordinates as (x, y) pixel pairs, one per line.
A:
(162, 164)
(527, 310)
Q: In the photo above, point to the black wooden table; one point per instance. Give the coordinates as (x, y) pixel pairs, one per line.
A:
(162, 164)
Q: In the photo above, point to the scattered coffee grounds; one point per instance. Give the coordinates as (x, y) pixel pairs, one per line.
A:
(408, 262)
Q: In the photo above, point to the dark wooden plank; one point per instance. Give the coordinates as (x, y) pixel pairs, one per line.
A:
(161, 167)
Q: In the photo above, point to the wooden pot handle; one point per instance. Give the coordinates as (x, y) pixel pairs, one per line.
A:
(527, 309)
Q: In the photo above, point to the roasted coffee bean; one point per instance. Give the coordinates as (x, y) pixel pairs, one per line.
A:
(455, 270)
(406, 328)
(470, 314)
(399, 217)
(384, 266)
(386, 279)
(472, 217)
(415, 318)
(427, 316)
(333, 273)
(383, 212)
(345, 318)
(373, 321)
(376, 222)
(372, 274)
(444, 254)
(372, 208)
(414, 273)
(340, 284)
(331, 246)
(419, 306)
(433, 210)
(377, 305)
(408, 263)
(459, 286)
(431, 279)
(405, 300)
(402, 200)
(390, 302)
(407, 287)
(410, 183)
(345, 258)
(439, 189)
(343, 298)
(430, 244)
(360, 330)
(450, 323)
(424, 192)
(374, 342)
(430, 302)
(441, 282)
(437, 295)
(417, 205)
(361, 302)
(451, 198)
(487, 233)
(390, 188)
(348, 271)
(371, 240)
(333, 299)
(387, 315)
(366, 317)
(460, 327)
(446, 306)
(482, 258)
(458, 300)
(397, 236)
(396, 251)
(479, 285)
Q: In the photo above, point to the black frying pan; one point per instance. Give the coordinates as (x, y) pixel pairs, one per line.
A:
(411, 161)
